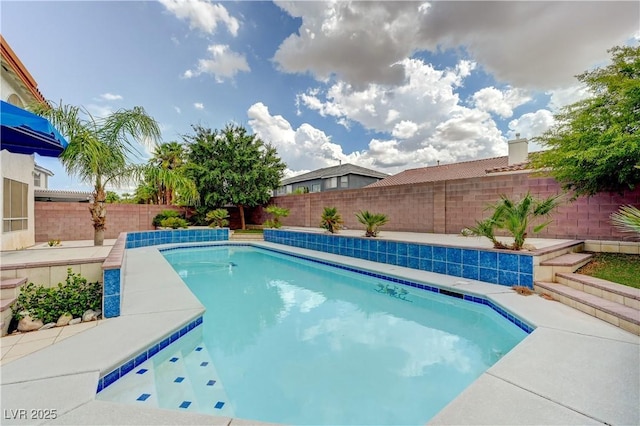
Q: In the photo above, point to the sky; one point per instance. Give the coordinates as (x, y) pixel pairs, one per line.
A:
(384, 85)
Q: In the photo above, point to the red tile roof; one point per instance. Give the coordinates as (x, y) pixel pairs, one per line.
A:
(467, 169)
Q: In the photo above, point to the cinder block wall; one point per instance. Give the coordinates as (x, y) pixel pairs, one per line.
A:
(449, 206)
(72, 221)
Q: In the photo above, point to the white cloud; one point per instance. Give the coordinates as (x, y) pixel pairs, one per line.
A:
(499, 102)
(539, 45)
(178, 110)
(202, 15)
(198, 105)
(567, 96)
(405, 129)
(99, 111)
(110, 97)
(531, 125)
(223, 64)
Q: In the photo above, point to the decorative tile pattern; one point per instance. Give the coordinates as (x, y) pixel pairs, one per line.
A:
(219, 405)
(171, 236)
(179, 380)
(486, 265)
(143, 397)
(185, 404)
(129, 365)
(211, 382)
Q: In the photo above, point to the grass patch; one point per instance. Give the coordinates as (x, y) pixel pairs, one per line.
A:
(248, 231)
(615, 267)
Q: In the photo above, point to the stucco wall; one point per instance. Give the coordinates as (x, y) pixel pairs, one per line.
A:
(18, 167)
(449, 206)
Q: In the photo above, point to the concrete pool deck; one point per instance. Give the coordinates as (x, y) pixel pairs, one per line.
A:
(573, 369)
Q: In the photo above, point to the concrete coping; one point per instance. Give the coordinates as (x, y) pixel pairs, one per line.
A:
(116, 255)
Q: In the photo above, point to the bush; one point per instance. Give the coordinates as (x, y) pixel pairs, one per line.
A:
(277, 213)
(74, 296)
(174, 223)
(164, 214)
(218, 218)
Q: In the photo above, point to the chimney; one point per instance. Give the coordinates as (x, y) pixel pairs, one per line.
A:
(518, 150)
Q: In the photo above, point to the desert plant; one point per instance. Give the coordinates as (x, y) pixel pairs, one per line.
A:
(331, 220)
(372, 221)
(218, 218)
(515, 217)
(277, 213)
(174, 223)
(627, 219)
(164, 214)
(74, 296)
(53, 243)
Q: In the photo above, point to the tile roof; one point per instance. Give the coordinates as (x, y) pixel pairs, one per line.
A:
(341, 170)
(467, 169)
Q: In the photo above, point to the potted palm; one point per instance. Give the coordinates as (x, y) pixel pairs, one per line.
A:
(331, 220)
(372, 221)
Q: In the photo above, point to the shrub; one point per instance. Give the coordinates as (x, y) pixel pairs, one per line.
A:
(74, 296)
(53, 243)
(174, 223)
(218, 218)
(277, 213)
(331, 220)
(164, 214)
(627, 219)
(372, 221)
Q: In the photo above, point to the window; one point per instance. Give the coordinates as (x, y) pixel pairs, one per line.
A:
(332, 182)
(344, 181)
(37, 180)
(289, 189)
(315, 187)
(15, 205)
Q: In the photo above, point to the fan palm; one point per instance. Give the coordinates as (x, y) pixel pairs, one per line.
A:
(100, 149)
(372, 221)
(627, 219)
(331, 219)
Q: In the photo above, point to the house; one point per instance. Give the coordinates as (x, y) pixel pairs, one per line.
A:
(18, 143)
(343, 176)
(516, 161)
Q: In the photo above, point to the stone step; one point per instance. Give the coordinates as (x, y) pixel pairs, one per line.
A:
(574, 260)
(618, 293)
(5, 314)
(5, 304)
(614, 313)
(10, 287)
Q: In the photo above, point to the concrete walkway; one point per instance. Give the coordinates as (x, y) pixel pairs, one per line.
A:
(573, 369)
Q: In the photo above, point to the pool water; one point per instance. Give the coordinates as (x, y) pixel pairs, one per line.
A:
(292, 341)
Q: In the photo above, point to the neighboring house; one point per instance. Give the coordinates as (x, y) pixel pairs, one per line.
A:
(516, 161)
(62, 196)
(41, 177)
(18, 170)
(344, 176)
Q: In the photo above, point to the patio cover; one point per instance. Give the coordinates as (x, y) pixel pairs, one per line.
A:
(23, 132)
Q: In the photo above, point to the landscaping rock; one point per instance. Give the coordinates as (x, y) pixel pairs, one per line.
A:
(98, 313)
(64, 320)
(89, 315)
(47, 326)
(75, 321)
(29, 324)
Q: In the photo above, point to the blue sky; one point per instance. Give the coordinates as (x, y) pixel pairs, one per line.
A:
(386, 85)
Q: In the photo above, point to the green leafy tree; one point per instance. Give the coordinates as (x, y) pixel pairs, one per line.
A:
(596, 142)
(231, 166)
(101, 150)
(516, 218)
(164, 181)
(627, 219)
(331, 220)
(276, 212)
(372, 221)
(112, 197)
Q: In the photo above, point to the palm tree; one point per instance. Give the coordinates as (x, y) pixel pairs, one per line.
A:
(627, 219)
(372, 221)
(331, 219)
(100, 149)
(515, 217)
(165, 173)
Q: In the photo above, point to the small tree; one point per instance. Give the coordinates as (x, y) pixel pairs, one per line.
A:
(277, 213)
(627, 219)
(331, 220)
(516, 218)
(218, 218)
(372, 221)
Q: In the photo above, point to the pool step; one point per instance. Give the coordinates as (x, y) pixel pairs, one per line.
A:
(620, 315)
(618, 293)
(10, 287)
(246, 237)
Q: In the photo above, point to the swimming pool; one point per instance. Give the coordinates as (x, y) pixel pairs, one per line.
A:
(293, 341)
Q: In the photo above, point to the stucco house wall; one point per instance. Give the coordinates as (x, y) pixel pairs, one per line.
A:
(18, 167)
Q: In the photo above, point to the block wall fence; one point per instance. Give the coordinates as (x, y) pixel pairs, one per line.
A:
(448, 206)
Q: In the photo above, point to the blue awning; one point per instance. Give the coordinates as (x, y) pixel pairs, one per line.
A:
(23, 132)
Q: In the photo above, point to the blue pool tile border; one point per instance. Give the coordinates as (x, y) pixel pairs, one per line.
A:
(502, 268)
(523, 325)
(117, 373)
(172, 236)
